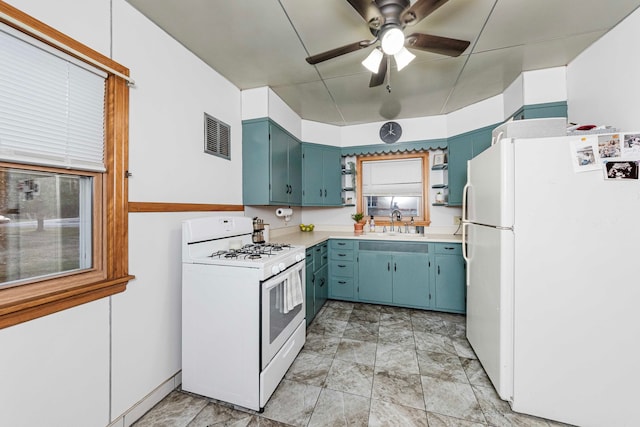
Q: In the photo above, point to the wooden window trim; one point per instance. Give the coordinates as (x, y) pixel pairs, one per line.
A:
(110, 273)
(397, 156)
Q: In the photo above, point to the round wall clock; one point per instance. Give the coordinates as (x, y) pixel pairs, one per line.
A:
(390, 132)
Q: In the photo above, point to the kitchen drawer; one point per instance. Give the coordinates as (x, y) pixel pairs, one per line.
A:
(341, 255)
(448, 248)
(341, 268)
(341, 287)
(341, 244)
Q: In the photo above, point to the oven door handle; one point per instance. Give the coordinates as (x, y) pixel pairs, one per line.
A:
(279, 278)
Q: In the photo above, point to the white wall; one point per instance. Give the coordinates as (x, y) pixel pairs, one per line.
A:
(263, 102)
(423, 128)
(603, 83)
(54, 370)
(542, 86)
(173, 91)
(89, 365)
(321, 133)
(475, 116)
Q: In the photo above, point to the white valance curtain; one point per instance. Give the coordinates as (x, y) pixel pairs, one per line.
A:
(51, 106)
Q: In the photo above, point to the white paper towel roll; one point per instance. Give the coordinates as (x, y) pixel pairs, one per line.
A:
(284, 212)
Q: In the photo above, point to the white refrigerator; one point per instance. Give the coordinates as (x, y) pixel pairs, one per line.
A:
(553, 257)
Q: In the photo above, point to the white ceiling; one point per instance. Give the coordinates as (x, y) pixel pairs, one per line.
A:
(256, 43)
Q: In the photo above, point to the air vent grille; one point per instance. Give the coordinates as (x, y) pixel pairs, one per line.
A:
(217, 137)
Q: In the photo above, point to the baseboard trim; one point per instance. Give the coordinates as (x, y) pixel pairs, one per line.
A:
(136, 412)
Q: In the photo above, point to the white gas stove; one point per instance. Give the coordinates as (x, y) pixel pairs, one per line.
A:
(243, 311)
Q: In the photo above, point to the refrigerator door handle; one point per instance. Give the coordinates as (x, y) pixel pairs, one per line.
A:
(465, 255)
(465, 193)
(497, 138)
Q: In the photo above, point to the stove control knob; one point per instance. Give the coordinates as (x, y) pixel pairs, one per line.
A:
(281, 266)
(275, 269)
(299, 257)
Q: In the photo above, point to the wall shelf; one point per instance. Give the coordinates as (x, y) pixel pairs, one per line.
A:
(439, 186)
(440, 167)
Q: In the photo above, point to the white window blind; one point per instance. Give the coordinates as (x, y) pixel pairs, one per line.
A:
(392, 177)
(51, 108)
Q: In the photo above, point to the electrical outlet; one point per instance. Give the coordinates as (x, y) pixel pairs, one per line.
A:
(457, 220)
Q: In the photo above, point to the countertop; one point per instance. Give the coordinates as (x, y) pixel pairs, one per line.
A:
(311, 238)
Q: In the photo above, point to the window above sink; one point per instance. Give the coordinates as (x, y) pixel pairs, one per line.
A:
(394, 182)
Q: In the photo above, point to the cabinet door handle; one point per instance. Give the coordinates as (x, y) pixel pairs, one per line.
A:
(449, 248)
(321, 192)
(322, 282)
(317, 249)
(438, 269)
(388, 266)
(341, 265)
(341, 243)
(342, 282)
(342, 254)
(325, 192)
(395, 267)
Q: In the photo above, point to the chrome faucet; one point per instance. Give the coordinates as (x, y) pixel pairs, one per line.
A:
(397, 215)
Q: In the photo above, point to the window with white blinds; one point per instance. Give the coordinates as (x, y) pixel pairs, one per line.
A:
(51, 106)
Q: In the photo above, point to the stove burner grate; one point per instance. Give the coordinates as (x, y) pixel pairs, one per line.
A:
(251, 251)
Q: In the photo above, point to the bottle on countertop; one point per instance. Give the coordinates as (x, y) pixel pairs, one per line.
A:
(412, 228)
(372, 225)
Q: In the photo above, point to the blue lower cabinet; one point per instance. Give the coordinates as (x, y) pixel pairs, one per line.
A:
(375, 277)
(342, 270)
(309, 288)
(417, 275)
(449, 278)
(321, 287)
(317, 282)
(411, 280)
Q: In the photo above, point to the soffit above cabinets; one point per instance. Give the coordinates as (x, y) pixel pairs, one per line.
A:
(255, 43)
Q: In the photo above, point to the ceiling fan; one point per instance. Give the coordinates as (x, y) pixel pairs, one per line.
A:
(387, 20)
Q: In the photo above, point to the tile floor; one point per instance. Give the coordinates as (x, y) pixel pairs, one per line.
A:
(367, 365)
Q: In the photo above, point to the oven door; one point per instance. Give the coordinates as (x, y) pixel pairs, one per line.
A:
(278, 326)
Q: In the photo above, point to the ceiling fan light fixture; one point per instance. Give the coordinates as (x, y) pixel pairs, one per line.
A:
(403, 58)
(392, 40)
(372, 62)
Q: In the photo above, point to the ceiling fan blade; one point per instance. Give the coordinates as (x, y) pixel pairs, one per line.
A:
(437, 44)
(368, 10)
(420, 10)
(330, 54)
(378, 78)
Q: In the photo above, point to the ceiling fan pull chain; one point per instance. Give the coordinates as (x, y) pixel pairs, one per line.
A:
(388, 73)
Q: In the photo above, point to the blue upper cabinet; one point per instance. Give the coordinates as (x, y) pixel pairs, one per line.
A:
(462, 148)
(539, 111)
(321, 175)
(271, 164)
